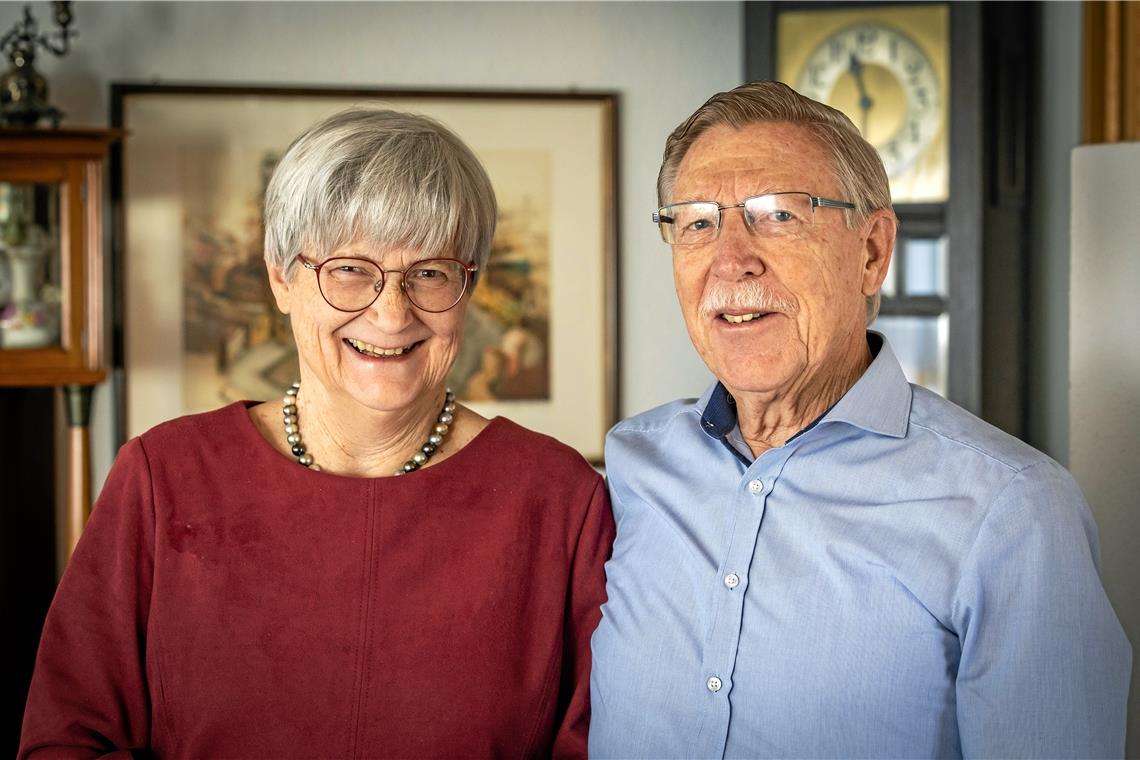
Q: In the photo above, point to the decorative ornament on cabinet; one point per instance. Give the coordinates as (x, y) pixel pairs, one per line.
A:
(24, 90)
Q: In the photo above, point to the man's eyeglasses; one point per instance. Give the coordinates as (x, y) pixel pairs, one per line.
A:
(771, 215)
(432, 285)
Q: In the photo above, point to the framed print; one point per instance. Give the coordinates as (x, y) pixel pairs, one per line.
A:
(196, 326)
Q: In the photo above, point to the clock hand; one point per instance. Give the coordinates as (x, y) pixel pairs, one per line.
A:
(865, 102)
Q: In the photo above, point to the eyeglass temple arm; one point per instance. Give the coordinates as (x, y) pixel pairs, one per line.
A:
(829, 203)
(662, 219)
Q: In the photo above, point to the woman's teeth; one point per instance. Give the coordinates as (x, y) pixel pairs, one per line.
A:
(371, 350)
(738, 318)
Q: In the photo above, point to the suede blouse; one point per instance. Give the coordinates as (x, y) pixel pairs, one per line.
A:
(226, 602)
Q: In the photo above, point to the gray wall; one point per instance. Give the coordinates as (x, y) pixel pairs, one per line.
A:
(663, 59)
(1058, 131)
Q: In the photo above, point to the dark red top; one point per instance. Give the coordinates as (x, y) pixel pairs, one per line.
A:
(225, 602)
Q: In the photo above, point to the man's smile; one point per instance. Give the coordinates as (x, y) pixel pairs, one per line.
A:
(737, 319)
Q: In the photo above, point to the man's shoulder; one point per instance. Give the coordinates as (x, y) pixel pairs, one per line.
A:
(962, 434)
(652, 438)
(656, 419)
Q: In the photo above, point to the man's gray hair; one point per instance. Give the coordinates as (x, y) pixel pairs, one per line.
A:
(855, 163)
(396, 180)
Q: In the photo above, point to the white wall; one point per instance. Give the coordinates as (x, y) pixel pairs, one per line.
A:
(1104, 351)
(663, 59)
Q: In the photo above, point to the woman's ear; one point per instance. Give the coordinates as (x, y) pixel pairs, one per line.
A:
(281, 286)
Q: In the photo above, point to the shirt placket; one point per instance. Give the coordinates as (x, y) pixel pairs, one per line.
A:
(730, 587)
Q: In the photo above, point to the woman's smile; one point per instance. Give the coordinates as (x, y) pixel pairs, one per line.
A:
(377, 352)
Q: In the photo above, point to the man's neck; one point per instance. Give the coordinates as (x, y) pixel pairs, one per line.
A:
(768, 420)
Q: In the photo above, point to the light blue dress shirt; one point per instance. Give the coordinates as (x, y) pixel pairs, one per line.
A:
(899, 580)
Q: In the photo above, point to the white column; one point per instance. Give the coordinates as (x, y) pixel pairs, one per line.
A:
(1104, 372)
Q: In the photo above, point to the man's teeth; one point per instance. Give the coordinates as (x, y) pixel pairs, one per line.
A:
(371, 350)
(738, 318)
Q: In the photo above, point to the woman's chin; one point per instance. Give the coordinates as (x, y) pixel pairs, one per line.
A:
(387, 383)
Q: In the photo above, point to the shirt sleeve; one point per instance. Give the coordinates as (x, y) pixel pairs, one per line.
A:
(89, 696)
(1045, 665)
(583, 611)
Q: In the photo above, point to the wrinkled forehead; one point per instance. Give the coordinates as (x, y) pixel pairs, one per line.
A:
(727, 163)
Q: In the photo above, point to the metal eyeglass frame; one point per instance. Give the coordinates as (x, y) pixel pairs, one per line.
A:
(469, 271)
(816, 202)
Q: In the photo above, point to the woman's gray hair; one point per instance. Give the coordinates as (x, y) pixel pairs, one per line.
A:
(396, 180)
(855, 163)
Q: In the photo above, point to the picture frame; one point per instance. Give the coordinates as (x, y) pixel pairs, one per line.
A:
(194, 324)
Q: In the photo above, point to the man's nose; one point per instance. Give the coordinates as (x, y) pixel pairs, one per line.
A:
(738, 249)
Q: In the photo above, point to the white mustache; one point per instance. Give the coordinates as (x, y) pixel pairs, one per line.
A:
(749, 295)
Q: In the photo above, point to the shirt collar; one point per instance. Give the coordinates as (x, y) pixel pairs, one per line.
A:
(879, 402)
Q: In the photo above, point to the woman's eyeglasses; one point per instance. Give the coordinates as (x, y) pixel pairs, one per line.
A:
(432, 285)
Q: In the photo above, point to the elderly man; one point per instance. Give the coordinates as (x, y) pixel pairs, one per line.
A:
(817, 558)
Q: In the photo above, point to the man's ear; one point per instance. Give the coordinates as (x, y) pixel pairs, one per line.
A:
(878, 246)
(281, 286)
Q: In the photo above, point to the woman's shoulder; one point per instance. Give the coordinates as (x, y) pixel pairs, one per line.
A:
(222, 438)
(511, 443)
(227, 421)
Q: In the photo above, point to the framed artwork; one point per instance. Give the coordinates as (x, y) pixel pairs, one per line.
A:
(195, 325)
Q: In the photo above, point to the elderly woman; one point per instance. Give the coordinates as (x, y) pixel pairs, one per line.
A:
(364, 567)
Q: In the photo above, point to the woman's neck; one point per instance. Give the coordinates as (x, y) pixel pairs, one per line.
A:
(363, 442)
(346, 438)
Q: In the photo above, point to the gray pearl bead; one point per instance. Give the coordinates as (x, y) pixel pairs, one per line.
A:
(291, 430)
(290, 419)
(305, 459)
(446, 418)
(289, 409)
(419, 457)
(435, 439)
(293, 438)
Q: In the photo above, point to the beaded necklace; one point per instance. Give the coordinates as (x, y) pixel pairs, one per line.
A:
(431, 445)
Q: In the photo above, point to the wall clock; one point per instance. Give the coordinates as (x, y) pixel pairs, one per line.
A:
(887, 68)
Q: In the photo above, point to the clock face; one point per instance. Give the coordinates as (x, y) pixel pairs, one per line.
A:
(886, 66)
(879, 76)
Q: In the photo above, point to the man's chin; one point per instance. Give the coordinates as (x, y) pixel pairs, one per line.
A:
(768, 379)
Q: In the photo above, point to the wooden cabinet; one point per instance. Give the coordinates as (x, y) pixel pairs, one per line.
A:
(51, 280)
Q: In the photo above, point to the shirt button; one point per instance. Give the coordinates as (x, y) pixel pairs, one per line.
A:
(756, 486)
(713, 683)
(732, 580)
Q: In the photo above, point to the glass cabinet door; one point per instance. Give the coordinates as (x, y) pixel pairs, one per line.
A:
(915, 310)
(31, 265)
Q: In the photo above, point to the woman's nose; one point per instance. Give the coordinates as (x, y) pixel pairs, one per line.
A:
(391, 310)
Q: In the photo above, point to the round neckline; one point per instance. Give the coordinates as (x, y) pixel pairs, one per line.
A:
(243, 407)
